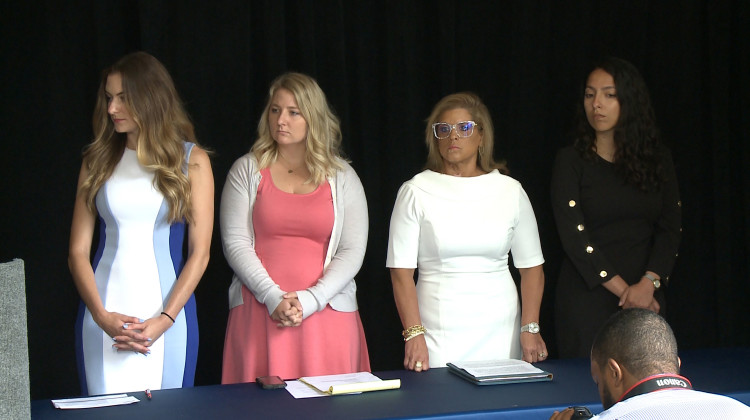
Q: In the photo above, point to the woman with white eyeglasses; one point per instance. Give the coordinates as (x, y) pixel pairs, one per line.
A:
(456, 222)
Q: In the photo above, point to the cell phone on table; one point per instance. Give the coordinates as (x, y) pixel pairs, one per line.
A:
(270, 382)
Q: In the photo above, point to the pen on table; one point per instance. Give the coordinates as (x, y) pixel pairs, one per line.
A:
(148, 394)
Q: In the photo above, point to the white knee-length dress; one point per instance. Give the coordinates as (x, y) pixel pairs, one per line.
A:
(458, 232)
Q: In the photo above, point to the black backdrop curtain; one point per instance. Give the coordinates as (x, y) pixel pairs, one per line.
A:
(383, 65)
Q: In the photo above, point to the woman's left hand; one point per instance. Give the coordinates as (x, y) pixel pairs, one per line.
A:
(151, 329)
(533, 347)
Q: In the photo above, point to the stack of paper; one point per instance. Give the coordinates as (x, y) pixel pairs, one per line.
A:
(92, 402)
(490, 372)
(348, 383)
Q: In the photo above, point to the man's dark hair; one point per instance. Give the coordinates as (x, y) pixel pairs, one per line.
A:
(639, 340)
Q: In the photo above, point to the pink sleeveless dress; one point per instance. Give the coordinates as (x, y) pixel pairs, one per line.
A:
(292, 232)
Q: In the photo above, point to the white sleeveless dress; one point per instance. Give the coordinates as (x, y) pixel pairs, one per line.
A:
(136, 264)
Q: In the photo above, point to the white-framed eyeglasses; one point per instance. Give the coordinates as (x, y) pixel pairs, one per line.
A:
(463, 129)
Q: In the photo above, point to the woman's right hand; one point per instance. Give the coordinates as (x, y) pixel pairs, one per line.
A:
(405, 294)
(415, 351)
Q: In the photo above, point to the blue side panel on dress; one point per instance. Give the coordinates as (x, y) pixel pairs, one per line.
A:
(175, 338)
(82, 312)
(191, 356)
(91, 340)
(177, 232)
(79, 349)
(102, 241)
(190, 311)
(180, 340)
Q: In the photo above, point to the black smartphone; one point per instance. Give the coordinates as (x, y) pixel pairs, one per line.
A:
(581, 413)
(270, 382)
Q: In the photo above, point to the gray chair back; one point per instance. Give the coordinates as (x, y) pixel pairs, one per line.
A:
(15, 400)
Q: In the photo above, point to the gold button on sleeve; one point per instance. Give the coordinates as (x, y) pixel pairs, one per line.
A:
(679, 203)
(572, 203)
(589, 249)
(580, 228)
(603, 274)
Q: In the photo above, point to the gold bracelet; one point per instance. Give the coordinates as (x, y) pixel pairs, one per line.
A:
(414, 335)
(412, 332)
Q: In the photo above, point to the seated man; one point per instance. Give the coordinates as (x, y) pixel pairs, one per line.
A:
(634, 364)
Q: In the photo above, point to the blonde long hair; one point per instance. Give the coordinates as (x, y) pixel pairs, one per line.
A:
(163, 128)
(323, 142)
(481, 115)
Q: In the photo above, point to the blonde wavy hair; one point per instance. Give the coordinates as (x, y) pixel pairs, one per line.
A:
(323, 143)
(163, 128)
(481, 115)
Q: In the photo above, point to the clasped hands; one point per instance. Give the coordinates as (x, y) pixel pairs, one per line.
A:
(132, 334)
(640, 295)
(288, 312)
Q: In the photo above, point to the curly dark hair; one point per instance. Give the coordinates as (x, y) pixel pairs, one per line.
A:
(638, 155)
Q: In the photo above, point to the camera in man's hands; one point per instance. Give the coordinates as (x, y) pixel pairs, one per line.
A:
(581, 413)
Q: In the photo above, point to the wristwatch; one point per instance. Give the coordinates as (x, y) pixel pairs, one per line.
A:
(654, 280)
(531, 327)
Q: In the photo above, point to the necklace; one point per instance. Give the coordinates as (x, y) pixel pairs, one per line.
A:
(288, 170)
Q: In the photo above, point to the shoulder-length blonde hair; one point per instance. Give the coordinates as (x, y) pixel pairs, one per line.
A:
(481, 116)
(163, 127)
(323, 141)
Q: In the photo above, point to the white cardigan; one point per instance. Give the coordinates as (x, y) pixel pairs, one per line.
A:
(346, 248)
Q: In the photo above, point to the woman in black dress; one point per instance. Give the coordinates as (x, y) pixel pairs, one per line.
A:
(617, 208)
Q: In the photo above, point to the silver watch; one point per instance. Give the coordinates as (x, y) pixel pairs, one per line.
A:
(531, 327)
(654, 280)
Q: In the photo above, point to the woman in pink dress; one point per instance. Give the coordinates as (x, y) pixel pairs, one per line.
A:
(294, 229)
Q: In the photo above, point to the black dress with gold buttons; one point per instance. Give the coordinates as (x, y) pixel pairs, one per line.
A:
(607, 227)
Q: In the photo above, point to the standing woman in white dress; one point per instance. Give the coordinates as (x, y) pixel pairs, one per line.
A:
(456, 222)
(150, 188)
